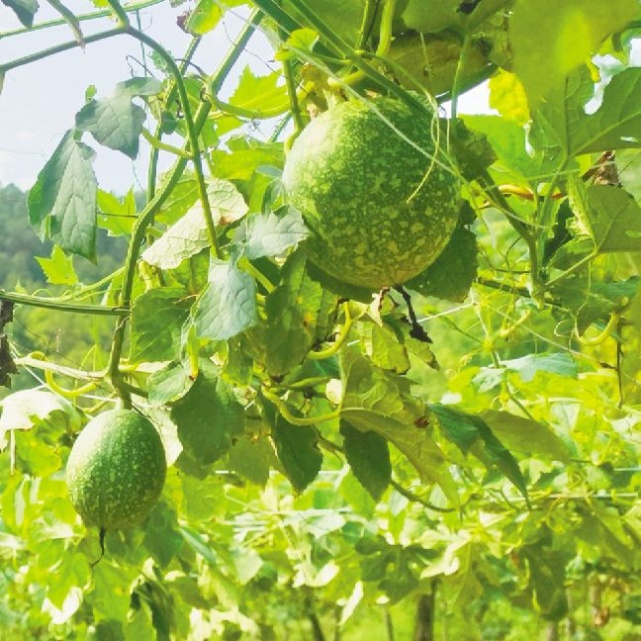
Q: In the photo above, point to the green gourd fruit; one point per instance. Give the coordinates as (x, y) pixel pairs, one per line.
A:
(116, 470)
(377, 191)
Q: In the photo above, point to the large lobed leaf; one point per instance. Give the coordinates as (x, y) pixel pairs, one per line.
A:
(550, 39)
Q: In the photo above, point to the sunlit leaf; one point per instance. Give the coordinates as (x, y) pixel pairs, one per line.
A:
(169, 384)
(550, 39)
(189, 234)
(116, 121)
(228, 304)
(260, 93)
(205, 17)
(561, 364)
(270, 234)
(59, 268)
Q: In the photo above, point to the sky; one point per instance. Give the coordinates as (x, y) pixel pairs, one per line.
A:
(39, 101)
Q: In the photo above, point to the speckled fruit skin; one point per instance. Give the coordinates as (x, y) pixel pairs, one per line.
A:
(116, 470)
(379, 210)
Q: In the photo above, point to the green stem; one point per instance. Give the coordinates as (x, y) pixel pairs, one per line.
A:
(522, 229)
(290, 82)
(578, 265)
(457, 79)
(152, 173)
(94, 15)
(415, 498)
(247, 266)
(157, 144)
(367, 21)
(216, 80)
(148, 213)
(123, 19)
(192, 134)
(250, 114)
(65, 46)
(37, 361)
(46, 303)
(384, 44)
(339, 342)
(306, 421)
(70, 19)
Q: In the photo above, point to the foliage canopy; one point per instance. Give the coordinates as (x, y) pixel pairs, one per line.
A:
(464, 446)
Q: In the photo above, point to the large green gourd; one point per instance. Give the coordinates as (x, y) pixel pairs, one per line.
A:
(379, 197)
(116, 470)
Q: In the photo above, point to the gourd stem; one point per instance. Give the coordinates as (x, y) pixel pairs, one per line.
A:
(340, 340)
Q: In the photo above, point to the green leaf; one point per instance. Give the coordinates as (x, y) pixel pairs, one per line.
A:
(62, 203)
(615, 125)
(252, 458)
(157, 319)
(614, 219)
(617, 122)
(180, 199)
(343, 290)
(204, 17)
(591, 300)
(208, 416)
(116, 121)
(383, 402)
(550, 39)
(116, 215)
(297, 451)
(169, 384)
(561, 364)
(228, 304)
(199, 545)
(547, 581)
(292, 310)
(385, 347)
(471, 433)
(270, 234)
(368, 455)
(525, 435)
(300, 40)
(260, 93)
(24, 9)
(162, 538)
(509, 141)
(454, 271)
(189, 235)
(473, 152)
(41, 409)
(58, 269)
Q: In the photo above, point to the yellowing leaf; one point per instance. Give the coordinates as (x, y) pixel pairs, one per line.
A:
(508, 97)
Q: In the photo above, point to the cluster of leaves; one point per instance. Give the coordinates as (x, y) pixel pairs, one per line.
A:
(325, 452)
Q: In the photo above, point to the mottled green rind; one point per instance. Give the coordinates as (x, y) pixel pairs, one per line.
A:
(116, 470)
(379, 209)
